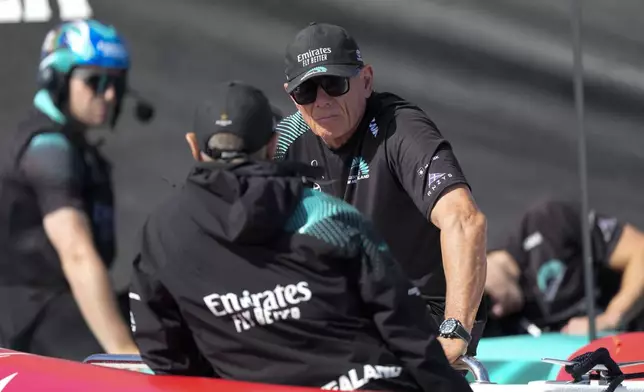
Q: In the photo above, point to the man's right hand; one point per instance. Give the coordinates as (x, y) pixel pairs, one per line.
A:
(454, 349)
(502, 284)
(127, 349)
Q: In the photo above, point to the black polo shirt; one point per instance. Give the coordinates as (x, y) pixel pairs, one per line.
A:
(548, 249)
(393, 169)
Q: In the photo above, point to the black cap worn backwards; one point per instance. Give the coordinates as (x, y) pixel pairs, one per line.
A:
(321, 49)
(239, 109)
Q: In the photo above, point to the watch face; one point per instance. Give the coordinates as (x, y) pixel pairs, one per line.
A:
(448, 326)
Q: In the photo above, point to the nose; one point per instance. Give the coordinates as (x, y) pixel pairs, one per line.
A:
(323, 99)
(110, 94)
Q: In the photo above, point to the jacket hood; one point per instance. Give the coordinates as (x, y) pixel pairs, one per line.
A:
(248, 202)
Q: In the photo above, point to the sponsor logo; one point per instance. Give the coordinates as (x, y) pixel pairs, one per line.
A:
(5, 381)
(313, 56)
(549, 278)
(359, 170)
(132, 322)
(434, 180)
(422, 170)
(607, 227)
(314, 71)
(111, 49)
(373, 127)
(223, 120)
(532, 241)
(135, 297)
(78, 38)
(249, 310)
(435, 177)
(358, 55)
(413, 291)
(352, 380)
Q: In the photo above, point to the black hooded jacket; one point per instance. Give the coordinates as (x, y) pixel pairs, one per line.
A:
(249, 274)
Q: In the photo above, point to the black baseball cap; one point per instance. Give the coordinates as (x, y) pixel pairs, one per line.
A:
(321, 49)
(239, 109)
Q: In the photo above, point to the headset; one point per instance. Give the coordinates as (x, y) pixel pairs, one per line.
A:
(86, 43)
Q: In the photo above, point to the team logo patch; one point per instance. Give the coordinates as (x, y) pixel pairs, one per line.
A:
(373, 127)
(434, 177)
(314, 71)
(434, 180)
(359, 170)
(549, 278)
(223, 120)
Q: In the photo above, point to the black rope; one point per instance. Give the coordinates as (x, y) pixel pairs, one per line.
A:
(584, 363)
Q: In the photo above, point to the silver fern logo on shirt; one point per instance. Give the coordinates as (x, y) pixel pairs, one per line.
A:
(359, 170)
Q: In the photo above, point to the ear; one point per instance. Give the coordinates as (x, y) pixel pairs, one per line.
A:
(191, 138)
(289, 95)
(292, 100)
(367, 77)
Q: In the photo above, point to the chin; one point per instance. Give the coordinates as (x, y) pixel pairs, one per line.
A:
(99, 121)
(330, 128)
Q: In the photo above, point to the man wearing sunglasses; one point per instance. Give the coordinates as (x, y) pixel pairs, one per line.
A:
(386, 157)
(248, 274)
(56, 203)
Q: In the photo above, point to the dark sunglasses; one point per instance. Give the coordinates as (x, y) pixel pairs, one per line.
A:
(100, 81)
(307, 92)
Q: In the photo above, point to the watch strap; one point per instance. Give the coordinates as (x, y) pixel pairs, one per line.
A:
(459, 332)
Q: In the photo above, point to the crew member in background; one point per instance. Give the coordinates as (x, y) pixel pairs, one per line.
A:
(384, 156)
(57, 235)
(537, 277)
(249, 274)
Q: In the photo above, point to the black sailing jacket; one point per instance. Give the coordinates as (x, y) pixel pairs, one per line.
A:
(249, 274)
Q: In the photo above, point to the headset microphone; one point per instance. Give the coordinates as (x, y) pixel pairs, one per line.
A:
(144, 111)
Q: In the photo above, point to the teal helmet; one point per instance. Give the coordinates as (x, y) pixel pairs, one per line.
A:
(75, 44)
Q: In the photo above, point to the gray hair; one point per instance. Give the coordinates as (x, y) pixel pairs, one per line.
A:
(232, 142)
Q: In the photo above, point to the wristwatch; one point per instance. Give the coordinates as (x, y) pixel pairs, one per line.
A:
(451, 328)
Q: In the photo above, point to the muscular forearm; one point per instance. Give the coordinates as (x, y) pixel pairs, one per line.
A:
(91, 287)
(631, 293)
(463, 244)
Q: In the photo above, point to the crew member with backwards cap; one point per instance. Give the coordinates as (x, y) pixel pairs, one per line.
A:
(247, 273)
(57, 236)
(387, 158)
